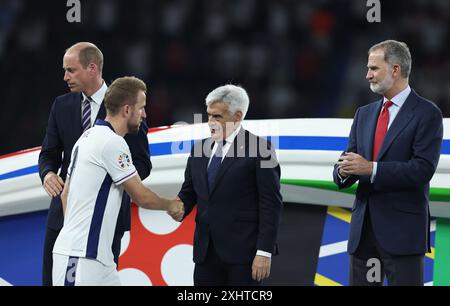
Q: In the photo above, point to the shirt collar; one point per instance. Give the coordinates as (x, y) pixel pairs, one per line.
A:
(400, 98)
(233, 135)
(99, 95)
(104, 123)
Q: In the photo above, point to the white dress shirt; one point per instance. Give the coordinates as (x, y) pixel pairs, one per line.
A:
(226, 147)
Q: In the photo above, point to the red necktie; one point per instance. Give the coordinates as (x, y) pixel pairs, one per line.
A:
(382, 127)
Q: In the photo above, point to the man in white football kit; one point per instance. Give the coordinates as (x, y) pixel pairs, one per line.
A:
(101, 169)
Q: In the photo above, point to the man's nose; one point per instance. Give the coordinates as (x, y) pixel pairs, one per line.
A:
(211, 119)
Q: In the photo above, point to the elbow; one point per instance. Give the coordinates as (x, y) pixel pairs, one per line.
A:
(425, 174)
(143, 170)
(425, 178)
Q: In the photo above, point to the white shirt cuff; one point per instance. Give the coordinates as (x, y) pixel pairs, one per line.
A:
(262, 253)
(374, 172)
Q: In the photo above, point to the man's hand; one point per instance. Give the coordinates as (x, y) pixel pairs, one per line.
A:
(261, 267)
(53, 184)
(176, 210)
(354, 164)
(342, 173)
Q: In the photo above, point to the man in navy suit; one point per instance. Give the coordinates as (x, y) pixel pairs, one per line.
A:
(70, 115)
(393, 151)
(234, 179)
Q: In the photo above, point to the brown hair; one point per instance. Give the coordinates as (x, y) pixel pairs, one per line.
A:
(395, 52)
(123, 91)
(91, 54)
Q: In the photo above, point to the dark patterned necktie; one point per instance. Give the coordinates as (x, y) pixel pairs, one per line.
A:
(86, 114)
(214, 165)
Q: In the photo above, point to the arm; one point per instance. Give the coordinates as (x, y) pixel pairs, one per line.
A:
(187, 193)
(146, 198)
(50, 157)
(342, 180)
(138, 144)
(418, 171)
(270, 204)
(125, 174)
(270, 201)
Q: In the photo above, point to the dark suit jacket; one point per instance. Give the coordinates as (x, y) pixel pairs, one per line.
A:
(63, 130)
(241, 213)
(398, 198)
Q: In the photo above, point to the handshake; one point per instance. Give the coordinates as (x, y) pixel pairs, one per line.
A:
(176, 209)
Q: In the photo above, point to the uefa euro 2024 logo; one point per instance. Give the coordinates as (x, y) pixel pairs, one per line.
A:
(124, 161)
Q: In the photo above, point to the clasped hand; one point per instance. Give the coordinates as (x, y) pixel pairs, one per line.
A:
(354, 164)
(176, 210)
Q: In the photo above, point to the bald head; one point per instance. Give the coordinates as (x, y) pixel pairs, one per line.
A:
(88, 53)
(83, 65)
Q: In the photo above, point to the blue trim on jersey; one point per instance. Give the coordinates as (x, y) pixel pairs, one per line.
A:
(104, 123)
(71, 272)
(75, 156)
(97, 218)
(125, 178)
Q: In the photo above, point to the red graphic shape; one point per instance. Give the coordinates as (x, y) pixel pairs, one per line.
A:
(146, 250)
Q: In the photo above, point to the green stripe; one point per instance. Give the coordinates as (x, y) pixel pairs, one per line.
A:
(436, 194)
(441, 275)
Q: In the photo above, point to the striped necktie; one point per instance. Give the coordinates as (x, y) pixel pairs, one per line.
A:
(86, 114)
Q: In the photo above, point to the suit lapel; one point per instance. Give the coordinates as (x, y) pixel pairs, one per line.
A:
(402, 119)
(207, 146)
(77, 111)
(370, 131)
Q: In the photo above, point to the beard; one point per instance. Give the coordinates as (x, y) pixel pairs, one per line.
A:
(133, 128)
(383, 86)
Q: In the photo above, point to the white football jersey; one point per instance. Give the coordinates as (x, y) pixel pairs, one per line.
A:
(100, 163)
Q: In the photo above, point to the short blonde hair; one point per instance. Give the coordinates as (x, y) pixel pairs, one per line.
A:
(123, 91)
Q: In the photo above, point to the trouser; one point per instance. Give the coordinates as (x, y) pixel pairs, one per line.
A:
(370, 264)
(79, 271)
(49, 243)
(47, 267)
(214, 272)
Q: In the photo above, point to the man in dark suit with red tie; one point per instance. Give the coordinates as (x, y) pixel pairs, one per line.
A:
(393, 151)
(70, 116)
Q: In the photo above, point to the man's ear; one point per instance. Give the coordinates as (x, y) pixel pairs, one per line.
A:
(238, 116)
(92, 67)
(126, 110)
(396, 70)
